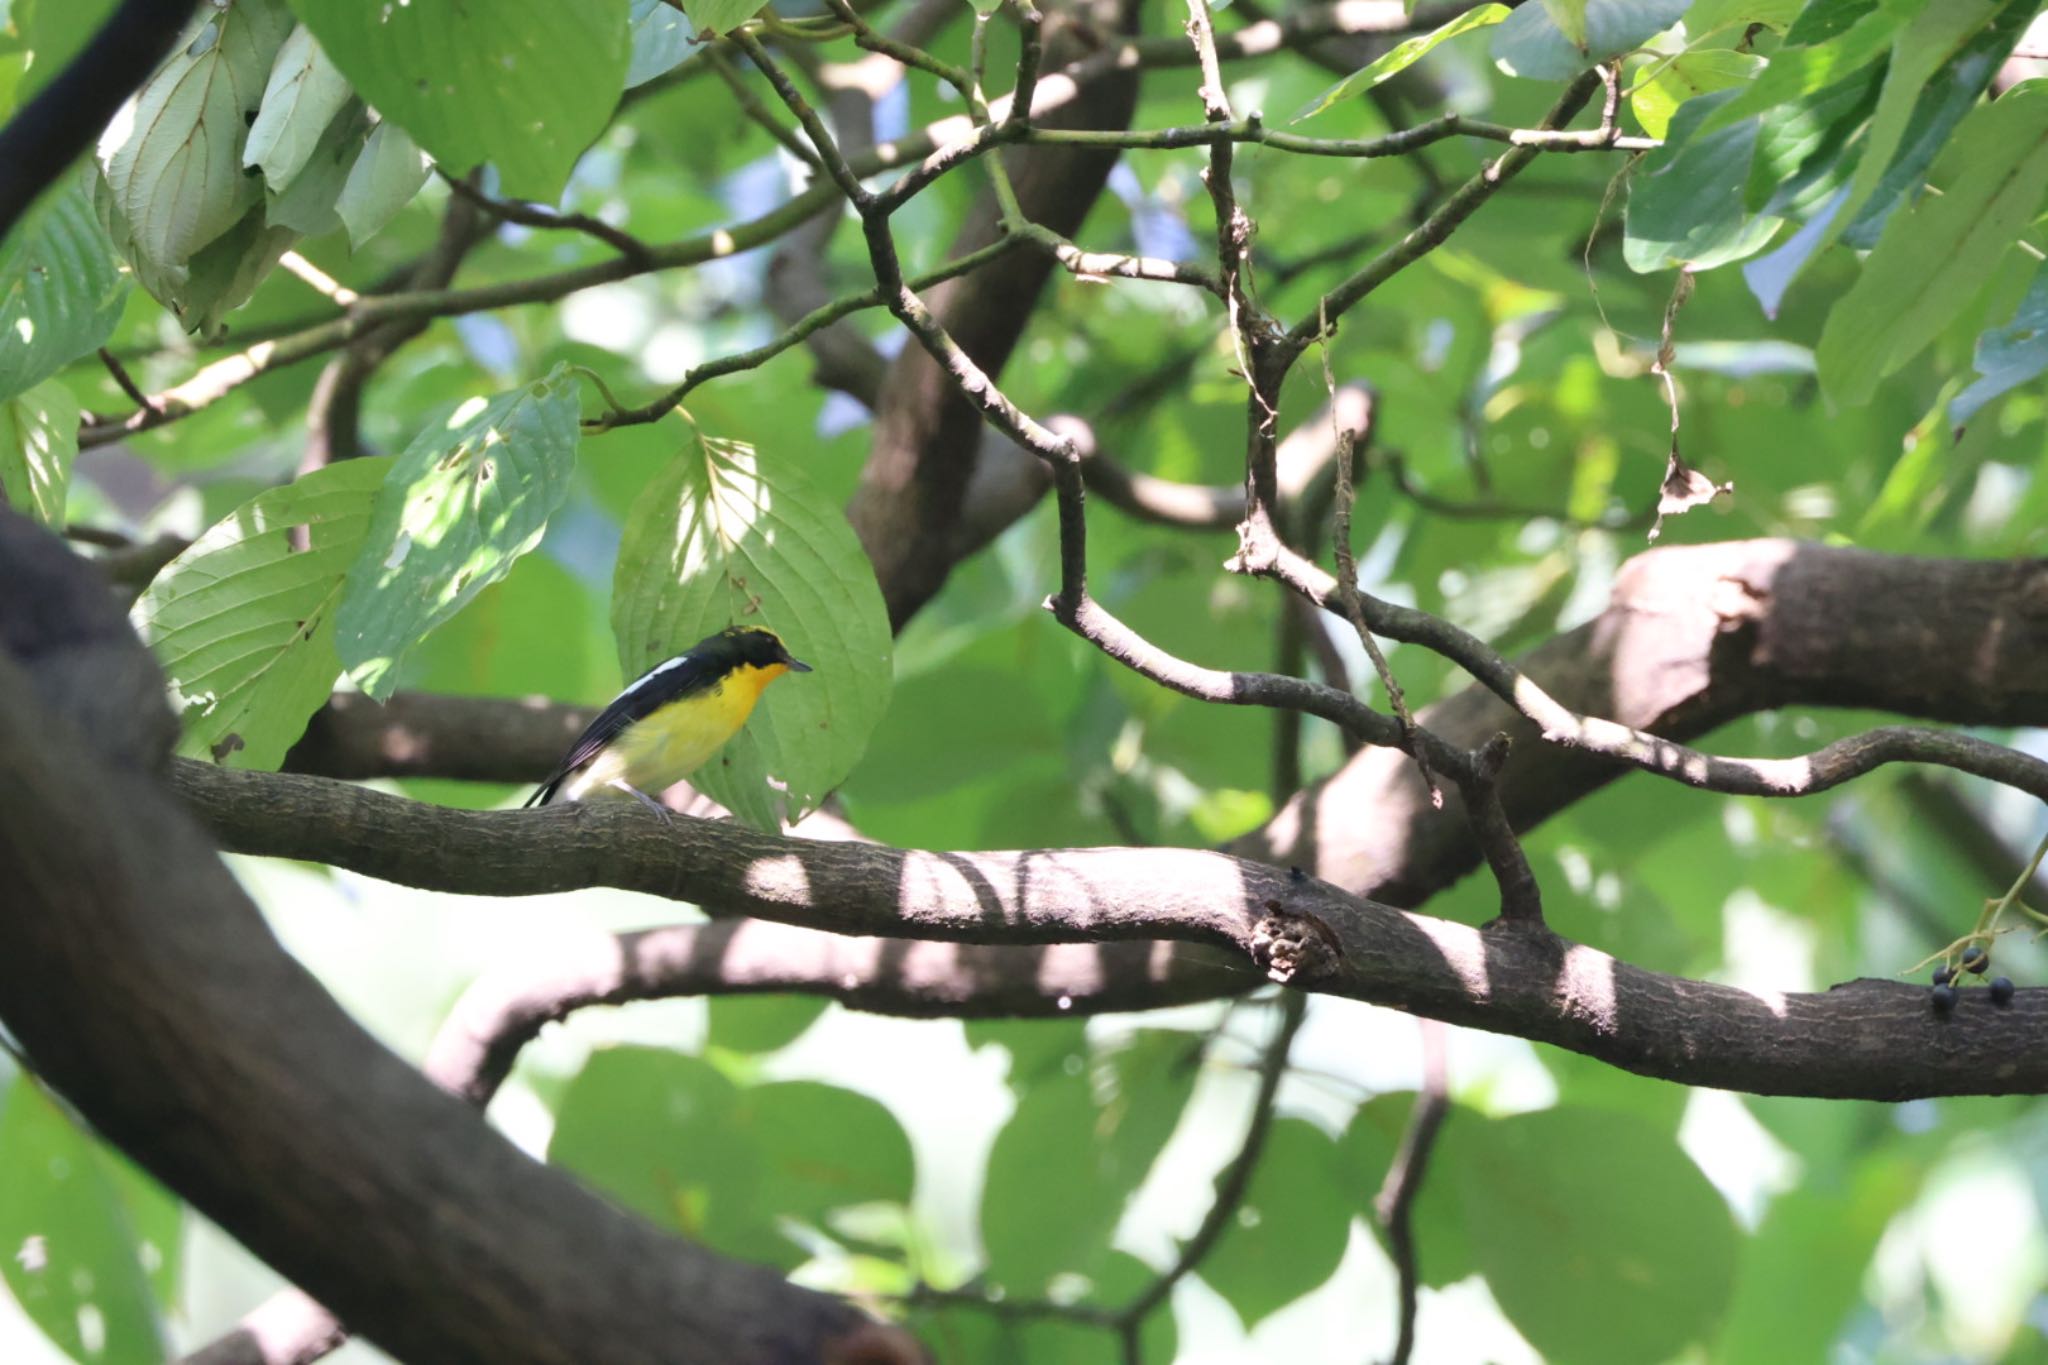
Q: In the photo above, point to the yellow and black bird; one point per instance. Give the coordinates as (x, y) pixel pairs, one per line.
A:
(671, 719)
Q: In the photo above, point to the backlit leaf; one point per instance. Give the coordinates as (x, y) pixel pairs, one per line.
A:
(1403, 55)
(38, 442)
(525, 85)
(724, 537)
(471, 494)
(243, 620)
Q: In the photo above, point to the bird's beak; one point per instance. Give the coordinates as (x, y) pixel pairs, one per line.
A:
(796, 665)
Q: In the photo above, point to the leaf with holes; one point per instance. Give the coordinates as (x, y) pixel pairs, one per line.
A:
(38, 442)
(77, 1224)
(61, 290)
(471, 494)
(173, 156)
(526, 85)
(720, 538)
(243, 621)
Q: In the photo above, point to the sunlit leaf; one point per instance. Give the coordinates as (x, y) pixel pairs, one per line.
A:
(1403, 55)
(75, 1245)
(61, 290)
(38, 442)
(724, 537)
(471, 494)
(243, 620)
(525, 85)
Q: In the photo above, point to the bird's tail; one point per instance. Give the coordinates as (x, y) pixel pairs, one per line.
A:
(542, 794)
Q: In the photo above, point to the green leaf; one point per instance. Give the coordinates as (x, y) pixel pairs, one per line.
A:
(55, 31)
(304, 93)
(243, 620)
(61, 290)
(672, 1138)
(1685, 206)
(308, 206)
(761, 1023)
(471, 494)
(1530, 43)
(967, 1335)
(1570, 18)
(219, 277)
(1823, 19)
(2008, 356)
(74, 1242)
(523, 84)
(654, 1130)
(823, 1147)
(1365, 1152)
(386, 177)
(1680, 78)
(721, 537)
(38, 442)
(1922, 49)
(1712, 16)
(661, 39)
(720, 17)
(1290, 1232)
(173, 155)
(1802, 1273)
(1049, 1143)
(1599, 1238)
(1799, 68)
(1403, 55)
(1931, 261)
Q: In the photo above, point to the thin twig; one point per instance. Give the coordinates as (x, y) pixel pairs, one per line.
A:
(1395, 1205)
(637, 252)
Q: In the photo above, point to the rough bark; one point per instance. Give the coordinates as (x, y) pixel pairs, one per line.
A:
(147, 988)
(1867, 1039)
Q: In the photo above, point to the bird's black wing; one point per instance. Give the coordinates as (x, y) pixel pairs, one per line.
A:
(666, 682)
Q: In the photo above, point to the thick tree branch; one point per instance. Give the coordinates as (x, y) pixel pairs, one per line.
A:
(1869, 1039)
(146, 988)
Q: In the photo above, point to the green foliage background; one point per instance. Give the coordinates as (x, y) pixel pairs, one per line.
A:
(1574, 1213)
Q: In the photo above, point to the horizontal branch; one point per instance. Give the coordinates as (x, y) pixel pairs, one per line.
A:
(1869, 1039)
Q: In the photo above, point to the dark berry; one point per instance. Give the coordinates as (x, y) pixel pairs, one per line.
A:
(1944, 998)
(1944, 975)
(1975, 959)
(2001, 990)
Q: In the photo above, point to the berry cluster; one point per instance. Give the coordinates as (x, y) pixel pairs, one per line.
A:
(1975, 961)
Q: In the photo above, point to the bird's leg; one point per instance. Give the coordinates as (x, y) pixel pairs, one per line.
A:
(667, 816)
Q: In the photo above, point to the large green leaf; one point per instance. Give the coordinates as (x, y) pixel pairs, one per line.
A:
(1291, 1231)
(761, 1023)
(1685, 205)
(1365, 1152)
(38, 442)
(720, 17)
(471, 494)
(1403, 55)
(1048, 1144)
(1931, 261)
(55, 31)
(243, 621)
(173, 155)
(301, 98)
(1599, 1238)
(670, 1137)
(722, 537)
(661, 40)
(523, 84)
(1531, 44)
(61, 290)
(75, 1226)
(2008, 356)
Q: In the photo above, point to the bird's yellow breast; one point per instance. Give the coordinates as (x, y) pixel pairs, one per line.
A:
(667, 745)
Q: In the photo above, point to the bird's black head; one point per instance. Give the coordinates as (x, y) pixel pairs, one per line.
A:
(751, 646)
